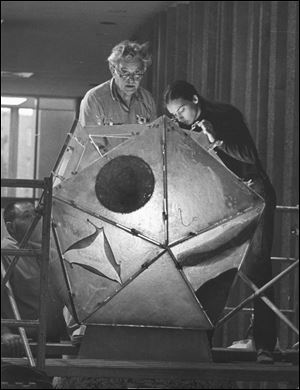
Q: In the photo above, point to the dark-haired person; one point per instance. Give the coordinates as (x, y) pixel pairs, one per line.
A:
(230, 138)
(121, 100)
(25, 282)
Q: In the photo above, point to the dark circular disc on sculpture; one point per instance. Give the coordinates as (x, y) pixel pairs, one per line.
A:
(124, 184)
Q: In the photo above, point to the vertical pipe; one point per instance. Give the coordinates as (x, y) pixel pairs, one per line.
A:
(160, 69)
(291, 138)
(13, 148)
(36, 143)
(165, 182)
(44, 272)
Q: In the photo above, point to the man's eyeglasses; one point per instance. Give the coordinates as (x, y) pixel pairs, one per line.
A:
(137, 76)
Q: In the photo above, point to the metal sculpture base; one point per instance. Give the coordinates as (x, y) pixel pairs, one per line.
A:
(145, 343)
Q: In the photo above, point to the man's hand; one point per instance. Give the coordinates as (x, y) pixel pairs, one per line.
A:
(13, 344)
(208, 130)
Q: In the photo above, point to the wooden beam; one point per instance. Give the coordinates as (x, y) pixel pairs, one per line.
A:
(219, 355)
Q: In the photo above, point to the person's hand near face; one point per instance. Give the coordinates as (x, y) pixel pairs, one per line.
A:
(208, 130)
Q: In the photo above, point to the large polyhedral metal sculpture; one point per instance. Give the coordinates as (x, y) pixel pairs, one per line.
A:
(145, 215)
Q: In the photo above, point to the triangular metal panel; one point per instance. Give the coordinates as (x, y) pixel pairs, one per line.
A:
(106, 144)
(86, 144)
(159, 296)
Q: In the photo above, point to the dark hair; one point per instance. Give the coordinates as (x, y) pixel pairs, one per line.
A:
(9, 213)
(180, 89)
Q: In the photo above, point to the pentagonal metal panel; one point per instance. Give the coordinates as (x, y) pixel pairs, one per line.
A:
(98, 267)
(159, 296)
(125, 184)
(201, 191)
(147, 218)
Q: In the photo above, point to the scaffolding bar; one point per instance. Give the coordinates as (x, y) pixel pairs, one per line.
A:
(284, 258)
(22, 183)
(229, 308)
(288, 208)
(17, 323)
(22, 244)
(44, 272)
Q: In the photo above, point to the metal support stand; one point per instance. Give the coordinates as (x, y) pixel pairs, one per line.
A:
(46, 185)
(258, 292)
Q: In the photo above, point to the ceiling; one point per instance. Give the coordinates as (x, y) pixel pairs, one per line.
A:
(65, 44)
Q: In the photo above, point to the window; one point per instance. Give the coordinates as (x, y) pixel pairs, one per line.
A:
(33, 131)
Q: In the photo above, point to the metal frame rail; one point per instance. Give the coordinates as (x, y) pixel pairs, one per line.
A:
(44, 210)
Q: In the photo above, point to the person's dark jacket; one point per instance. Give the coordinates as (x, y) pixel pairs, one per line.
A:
(238, 151)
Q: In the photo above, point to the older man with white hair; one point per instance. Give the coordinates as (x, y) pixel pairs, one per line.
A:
(121, 100)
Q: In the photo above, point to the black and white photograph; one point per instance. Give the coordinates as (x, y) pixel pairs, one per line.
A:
(149, 195)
